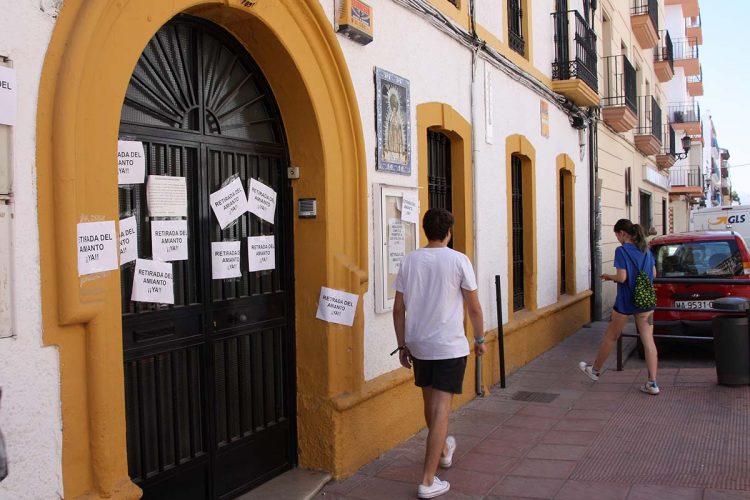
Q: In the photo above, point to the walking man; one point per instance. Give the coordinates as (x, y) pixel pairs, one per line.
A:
(432, 287)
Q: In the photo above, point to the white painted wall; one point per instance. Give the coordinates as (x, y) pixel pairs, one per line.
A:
(439, 70)
(29, 373)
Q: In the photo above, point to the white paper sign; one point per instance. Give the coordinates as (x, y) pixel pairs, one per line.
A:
(97, 247)
(225, 260)
(166, 196)
(229, 202)
(8, 96)
(396, 245)
(336, 306)
(131, 162)
(169, 240)
(262, 200)
(128, 240)
(410, 208)
(153, 282)
(261, 253)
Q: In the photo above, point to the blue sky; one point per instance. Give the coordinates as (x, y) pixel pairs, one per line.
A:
(726, 82)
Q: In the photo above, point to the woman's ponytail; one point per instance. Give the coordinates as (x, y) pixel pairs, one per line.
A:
(639, 237)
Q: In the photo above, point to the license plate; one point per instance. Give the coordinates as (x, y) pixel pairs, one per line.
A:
(693, 304)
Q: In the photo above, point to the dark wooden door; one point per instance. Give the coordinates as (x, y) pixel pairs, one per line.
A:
(209, 380)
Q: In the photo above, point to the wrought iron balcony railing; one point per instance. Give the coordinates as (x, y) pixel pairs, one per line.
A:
(685, 48)
(575, 53)
(649, 117)
(620, 83)
(668, 141)
(686, 176)
(684, 112)
(650, 7)
(664, 50)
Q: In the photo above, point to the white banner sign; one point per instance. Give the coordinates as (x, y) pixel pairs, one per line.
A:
(410, 208)
(153, 282)
(131, 162)
(225, 261)
(261, 253)
(8, 96)
(97, 247)
(262, 200)
(169, 240)
(166, 196)
(229, 202)
(128, 240)
(336, 306)
(396, 245)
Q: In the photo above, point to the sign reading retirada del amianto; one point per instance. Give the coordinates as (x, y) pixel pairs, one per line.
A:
(97, 247)
(169, 240)
(153, 282)
(225, 260)
(131, 162)
(336, 306)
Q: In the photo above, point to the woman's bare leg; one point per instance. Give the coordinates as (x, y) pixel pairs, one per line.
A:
(645, 322)
(614, 329)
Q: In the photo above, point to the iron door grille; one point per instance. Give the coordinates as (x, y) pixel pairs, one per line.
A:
(563, 269)
(518, 231)
(439, 170)
(209, 381)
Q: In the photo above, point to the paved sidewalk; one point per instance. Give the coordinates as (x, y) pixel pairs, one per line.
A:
(592, 440)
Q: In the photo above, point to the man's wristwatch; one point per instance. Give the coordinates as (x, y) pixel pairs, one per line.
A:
(479, 340)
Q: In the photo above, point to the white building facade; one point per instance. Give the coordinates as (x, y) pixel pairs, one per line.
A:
(491, 118)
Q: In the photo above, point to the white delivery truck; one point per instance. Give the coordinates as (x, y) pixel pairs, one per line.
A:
(731, 218)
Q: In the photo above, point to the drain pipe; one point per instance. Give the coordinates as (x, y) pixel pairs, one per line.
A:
(476, 44)
(595, 218)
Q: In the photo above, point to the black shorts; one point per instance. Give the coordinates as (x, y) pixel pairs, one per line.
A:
(445, 375)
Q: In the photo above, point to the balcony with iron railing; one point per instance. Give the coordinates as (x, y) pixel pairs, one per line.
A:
(685, 117)
(686, 55)
(648, 134)
(686, 180)
(664, 57)
(644, 19)
(574, 72)
(695, 84)
(693, 29)
(619, 106)
(666, 157)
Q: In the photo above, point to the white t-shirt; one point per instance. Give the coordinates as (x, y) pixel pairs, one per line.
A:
(431, 280)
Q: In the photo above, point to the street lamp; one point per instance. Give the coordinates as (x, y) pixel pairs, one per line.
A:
(686, 143)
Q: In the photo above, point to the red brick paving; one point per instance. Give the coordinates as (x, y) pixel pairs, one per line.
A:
(597, 440)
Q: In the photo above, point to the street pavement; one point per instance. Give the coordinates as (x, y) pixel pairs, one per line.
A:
(554, 434)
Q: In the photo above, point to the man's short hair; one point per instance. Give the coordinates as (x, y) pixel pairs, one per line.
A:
(436, 223)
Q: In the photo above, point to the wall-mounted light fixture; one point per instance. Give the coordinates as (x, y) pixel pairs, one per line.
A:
(686, 143)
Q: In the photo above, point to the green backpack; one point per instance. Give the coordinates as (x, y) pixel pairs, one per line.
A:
(644, 294)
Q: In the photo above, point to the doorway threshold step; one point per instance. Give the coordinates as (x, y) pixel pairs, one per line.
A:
(296, 484)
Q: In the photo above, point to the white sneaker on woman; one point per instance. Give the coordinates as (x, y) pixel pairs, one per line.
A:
(436, 489)
(450, 445)
(588, 370)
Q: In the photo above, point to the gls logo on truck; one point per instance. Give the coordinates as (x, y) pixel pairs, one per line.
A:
(727, 219)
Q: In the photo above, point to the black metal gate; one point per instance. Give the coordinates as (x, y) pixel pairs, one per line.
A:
(209, 381)
(439, 170)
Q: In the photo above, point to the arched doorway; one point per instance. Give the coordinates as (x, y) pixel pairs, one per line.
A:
(209, 380)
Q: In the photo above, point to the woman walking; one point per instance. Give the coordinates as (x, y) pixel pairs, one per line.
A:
(631, 257)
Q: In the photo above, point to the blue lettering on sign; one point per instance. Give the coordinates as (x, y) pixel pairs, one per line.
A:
(736, 219)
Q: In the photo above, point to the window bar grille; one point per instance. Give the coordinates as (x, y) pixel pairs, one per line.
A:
(563, 270)
(518, 232)
(515, 27)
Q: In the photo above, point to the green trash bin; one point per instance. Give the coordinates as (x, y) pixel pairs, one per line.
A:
(732, 342)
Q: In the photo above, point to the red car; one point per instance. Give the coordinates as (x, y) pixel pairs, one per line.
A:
(692, 270)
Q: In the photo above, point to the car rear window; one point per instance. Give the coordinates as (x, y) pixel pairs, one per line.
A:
(698, 258)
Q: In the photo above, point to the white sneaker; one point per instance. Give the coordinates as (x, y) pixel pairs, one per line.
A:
(450, 445)
(436, 489)
(588, 370)
(650, 387)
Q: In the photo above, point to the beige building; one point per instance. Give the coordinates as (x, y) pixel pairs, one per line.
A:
(633, 139)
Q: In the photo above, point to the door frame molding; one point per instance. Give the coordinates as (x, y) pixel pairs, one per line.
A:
(77, 125)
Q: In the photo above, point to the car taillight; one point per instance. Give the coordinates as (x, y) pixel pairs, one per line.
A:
(746, 268)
